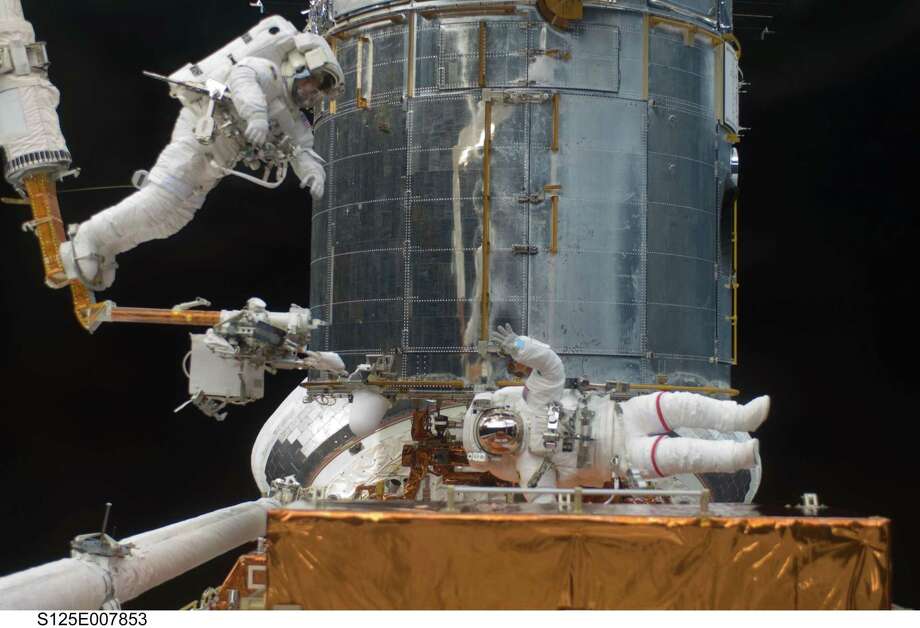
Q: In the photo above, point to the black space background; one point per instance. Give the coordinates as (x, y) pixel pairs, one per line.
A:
(829, 237)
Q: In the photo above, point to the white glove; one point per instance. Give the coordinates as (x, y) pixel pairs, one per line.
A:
(506, 339)
(257, 131)
(316, 183)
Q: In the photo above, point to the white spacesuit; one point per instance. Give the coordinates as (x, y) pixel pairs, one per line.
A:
(272, 72)
(513, 432)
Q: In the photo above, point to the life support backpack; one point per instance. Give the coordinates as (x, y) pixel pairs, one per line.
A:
(275, 39)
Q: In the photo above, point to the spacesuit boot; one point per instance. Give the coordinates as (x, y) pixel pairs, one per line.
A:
(661, 456)
(753, 414)
(87, 261)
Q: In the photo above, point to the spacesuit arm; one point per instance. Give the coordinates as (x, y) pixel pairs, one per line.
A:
(246, 89)
(307, 164)
(546, 382)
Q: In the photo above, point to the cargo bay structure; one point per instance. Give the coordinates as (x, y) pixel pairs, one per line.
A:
(564, 167)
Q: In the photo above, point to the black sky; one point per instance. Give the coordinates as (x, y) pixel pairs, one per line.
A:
(829, 239)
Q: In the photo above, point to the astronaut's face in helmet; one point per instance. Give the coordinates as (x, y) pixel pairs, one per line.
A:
(306, 89)
(517, 369)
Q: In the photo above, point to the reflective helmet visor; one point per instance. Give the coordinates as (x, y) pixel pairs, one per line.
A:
(499, 431)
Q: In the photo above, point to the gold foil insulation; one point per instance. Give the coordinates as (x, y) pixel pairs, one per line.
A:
(504, 560)
(49, 229)
(48, 226)
(248, 580)
(199, 318)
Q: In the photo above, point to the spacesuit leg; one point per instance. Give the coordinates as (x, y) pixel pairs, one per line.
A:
(175, 189)
(527, 464)
(664, 412)
(661, 456)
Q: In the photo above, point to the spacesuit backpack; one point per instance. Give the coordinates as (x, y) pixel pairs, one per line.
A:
(298, 54)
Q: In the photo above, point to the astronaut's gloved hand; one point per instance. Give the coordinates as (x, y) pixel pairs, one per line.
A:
(316, 183)
(506, 339)
(257, 131)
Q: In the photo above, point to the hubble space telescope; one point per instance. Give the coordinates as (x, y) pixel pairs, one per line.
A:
(565, 167)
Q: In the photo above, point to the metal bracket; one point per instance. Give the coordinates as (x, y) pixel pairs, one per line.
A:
(286, 490)
(209, 406)
(188, 305)
(810, 505)
(544, 467)
(551, 435)
(382, 364)
(515, 96)
(100, 543)
(524, 249)
(555, 53)
(535, 198)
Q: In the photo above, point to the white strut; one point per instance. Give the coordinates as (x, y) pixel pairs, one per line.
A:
(158, 556)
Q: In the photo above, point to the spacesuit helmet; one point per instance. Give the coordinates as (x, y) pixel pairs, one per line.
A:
(499, 431)
(517, 369)
(311, 75)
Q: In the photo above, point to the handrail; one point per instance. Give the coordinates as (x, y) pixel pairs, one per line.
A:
(703, 495)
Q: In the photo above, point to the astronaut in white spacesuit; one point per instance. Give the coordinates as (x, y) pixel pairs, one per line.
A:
(511, 425)
(285, 71)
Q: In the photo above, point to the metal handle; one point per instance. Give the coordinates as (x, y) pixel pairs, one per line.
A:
(280, 174)
(704, 495)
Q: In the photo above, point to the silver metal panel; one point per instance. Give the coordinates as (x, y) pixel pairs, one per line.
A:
(683, 207)
(506, 54)
(344, 7)
(706, 10)
(347, 54)
(681, 76)
(730, 94)
(600, 227)
(632, 52)
(585, 57)
(427, 49)
(724, 204)
(387, 74)
(382, 69)
(726, 15)
(358, 237)
(446, 158)
(723, 320)
(677, 330)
